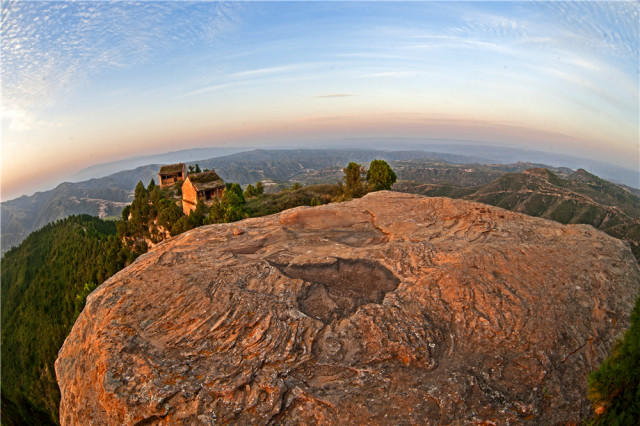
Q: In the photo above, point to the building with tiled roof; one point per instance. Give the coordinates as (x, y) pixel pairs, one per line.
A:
(171, 174)
(206, 186)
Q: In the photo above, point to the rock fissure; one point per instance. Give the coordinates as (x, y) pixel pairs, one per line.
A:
(373, 222)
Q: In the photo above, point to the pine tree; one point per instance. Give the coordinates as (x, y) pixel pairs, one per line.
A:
(250, 191)
(353, 175)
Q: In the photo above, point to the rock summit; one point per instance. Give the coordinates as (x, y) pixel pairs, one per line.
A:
(389, 309)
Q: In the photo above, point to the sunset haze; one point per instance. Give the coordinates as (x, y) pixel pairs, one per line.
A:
(90, 82)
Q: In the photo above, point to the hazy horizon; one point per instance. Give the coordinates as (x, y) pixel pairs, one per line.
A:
(85, 83)
(92, 171)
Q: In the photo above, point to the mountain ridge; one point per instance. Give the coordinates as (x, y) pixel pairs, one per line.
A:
(25, 214)
(578, 197)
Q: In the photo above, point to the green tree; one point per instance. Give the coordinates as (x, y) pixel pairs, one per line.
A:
(250, 192)
(197, 215)
(233, 213)
(140, 191)
(216, 213)
(125, 213)
(259, 187)
(198, 168)
(151, 215)
(155, 195)
(140, 209)
(296, 186)
(353, 175)
(614, 388)
(151, 185)
(81, 298)
(169, 214)
(230, 208)
(236, 189)
(380, 175)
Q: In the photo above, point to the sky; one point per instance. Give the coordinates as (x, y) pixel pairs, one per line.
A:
(89, 82)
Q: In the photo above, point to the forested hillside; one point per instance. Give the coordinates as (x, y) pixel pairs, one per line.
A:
(44, 284)
(614, 388)
(106, 196)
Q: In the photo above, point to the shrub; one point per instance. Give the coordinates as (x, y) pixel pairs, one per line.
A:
(614, 388)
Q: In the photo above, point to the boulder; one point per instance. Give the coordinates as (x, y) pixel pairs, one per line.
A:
(389, 309)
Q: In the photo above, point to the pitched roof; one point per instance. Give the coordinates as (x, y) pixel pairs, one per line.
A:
(171, 168)
(209, 185)
(206, 180)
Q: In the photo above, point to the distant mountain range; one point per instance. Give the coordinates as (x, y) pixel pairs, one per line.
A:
(489, 154)
(566, 197)
(102, 197)
(182, 156)
(447, 174)
(107, 196)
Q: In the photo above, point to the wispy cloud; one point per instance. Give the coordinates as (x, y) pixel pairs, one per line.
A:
(264, 76)
(268, 71)
(209, 89)
(610, 26)
(51, 49)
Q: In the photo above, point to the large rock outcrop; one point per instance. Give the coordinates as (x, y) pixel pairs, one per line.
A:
(393, 308)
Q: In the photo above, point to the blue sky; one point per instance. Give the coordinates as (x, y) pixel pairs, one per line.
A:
(88, 82)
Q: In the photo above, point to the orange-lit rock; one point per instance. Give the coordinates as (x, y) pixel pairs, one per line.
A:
(389, 309)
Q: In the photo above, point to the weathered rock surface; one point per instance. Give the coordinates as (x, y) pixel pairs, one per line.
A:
(390, 309)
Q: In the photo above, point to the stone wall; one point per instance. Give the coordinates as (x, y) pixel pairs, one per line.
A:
(189, 197)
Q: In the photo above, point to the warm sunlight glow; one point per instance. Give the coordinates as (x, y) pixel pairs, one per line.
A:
(129, 79)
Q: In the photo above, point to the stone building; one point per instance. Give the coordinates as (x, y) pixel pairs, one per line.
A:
(201, 186)
(171, 174)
